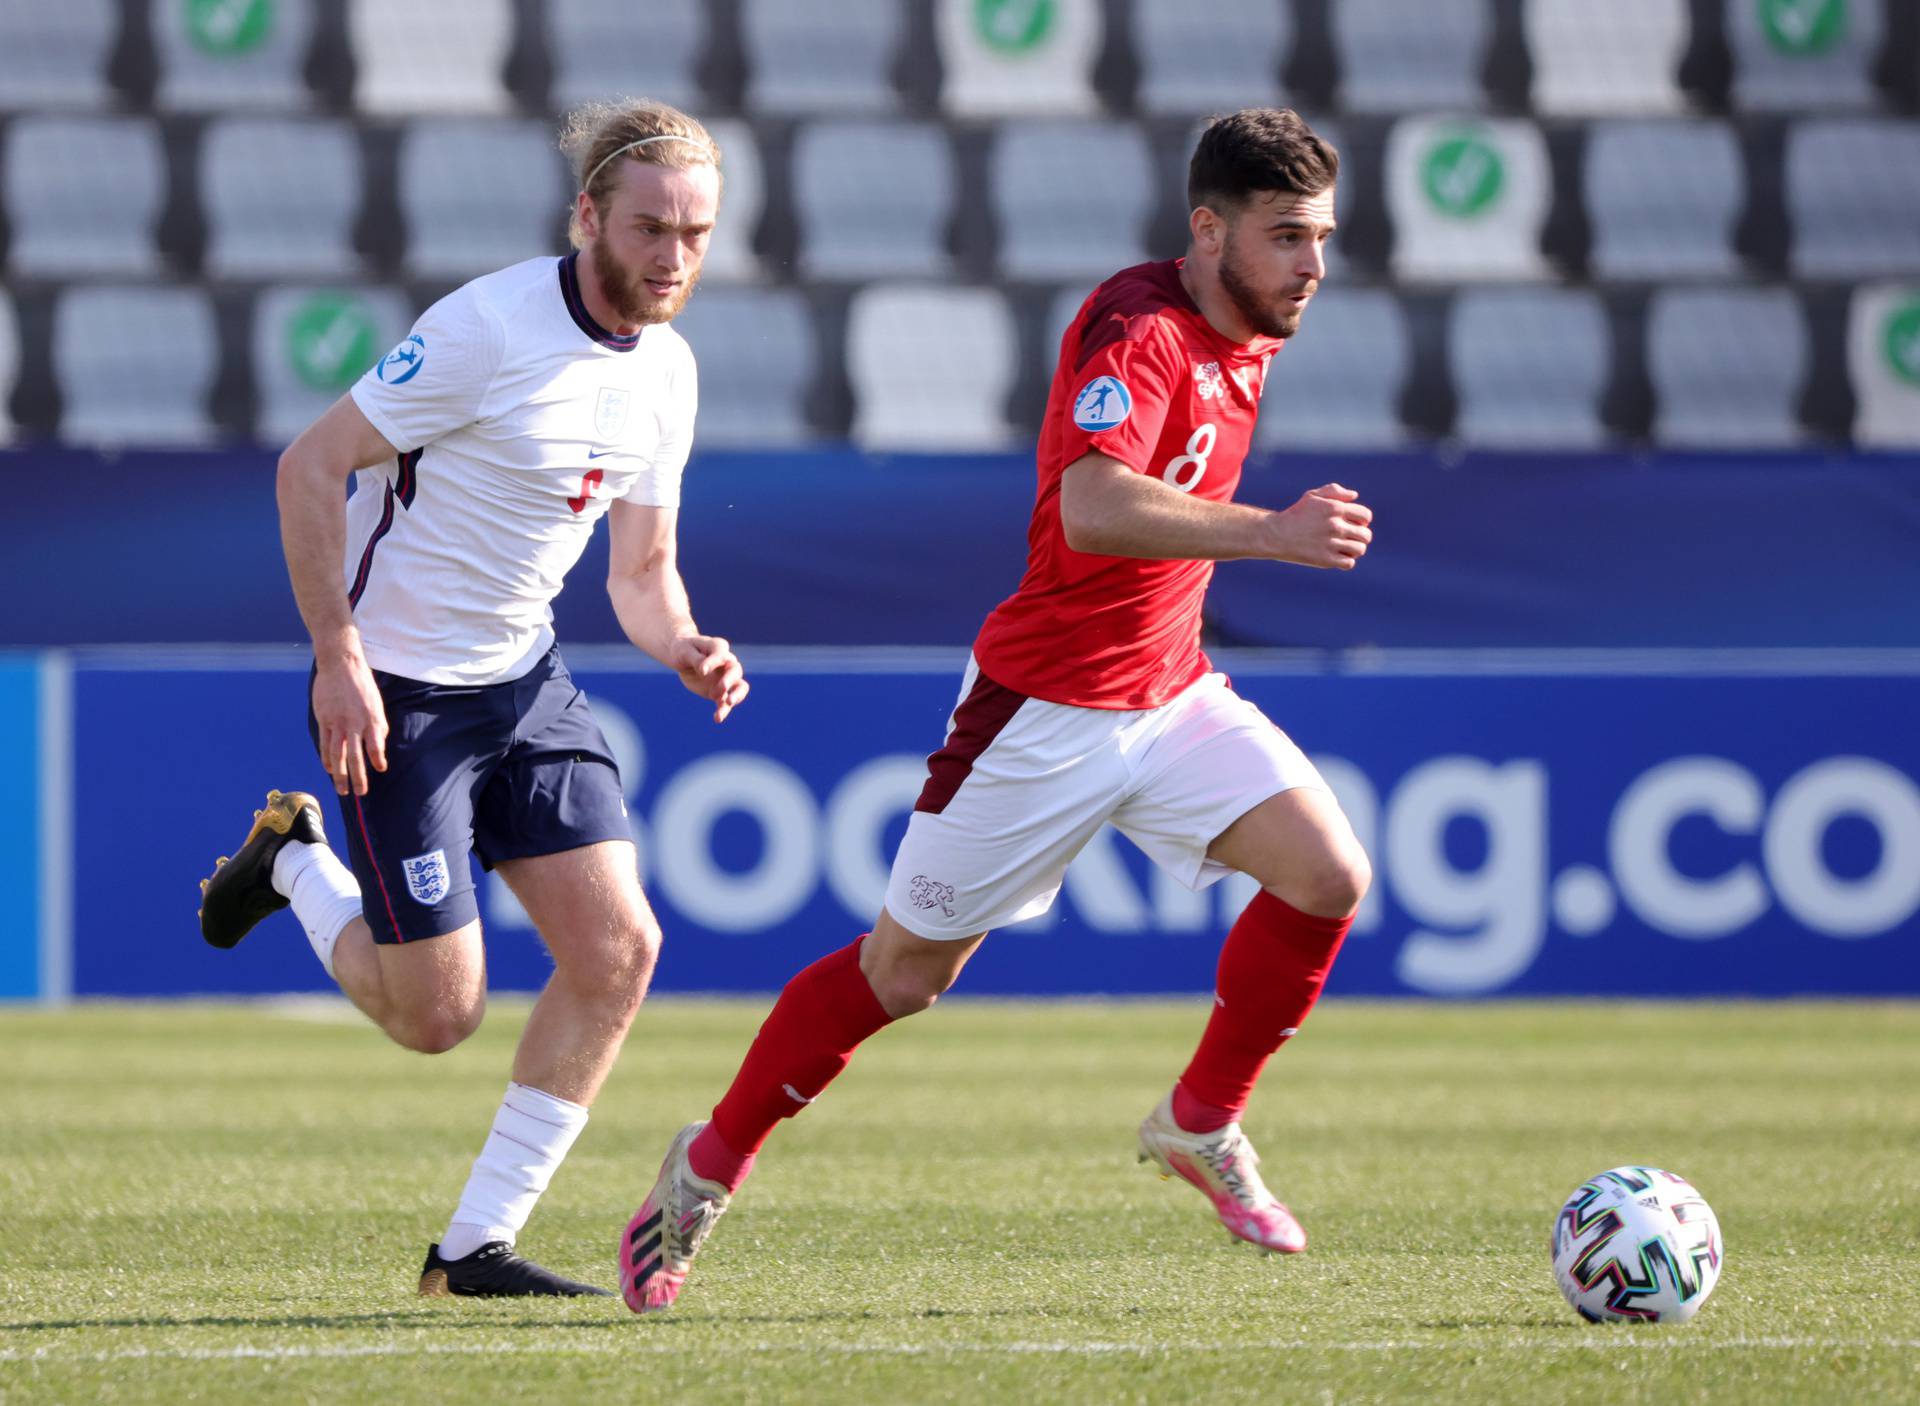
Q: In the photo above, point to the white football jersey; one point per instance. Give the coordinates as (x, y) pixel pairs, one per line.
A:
(518, 419)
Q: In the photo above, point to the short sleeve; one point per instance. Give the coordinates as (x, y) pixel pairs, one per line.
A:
(435, 380)
(659, 486)
(1122, 391)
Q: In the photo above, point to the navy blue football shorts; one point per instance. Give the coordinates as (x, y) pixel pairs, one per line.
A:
(500, 771)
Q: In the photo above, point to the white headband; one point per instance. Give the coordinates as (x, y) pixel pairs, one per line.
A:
(587, 184)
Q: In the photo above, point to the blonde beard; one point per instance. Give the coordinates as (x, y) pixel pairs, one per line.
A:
(632, 303)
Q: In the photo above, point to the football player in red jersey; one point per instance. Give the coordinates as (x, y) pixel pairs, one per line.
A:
(1088, 701)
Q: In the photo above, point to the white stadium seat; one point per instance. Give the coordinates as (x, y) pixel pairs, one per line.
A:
(135, 365)
(743, 196)
(1663, 198)
(1019, 59)
(1338, 384)
(1794, 57)
(1883, 355)
(604, 49)
(902, 401)
(310, 344)
(832, 56)
(1529, 366)
(1230, 62)
(55, 54)
(430, 55)
(1614, 58)
(1071, 198)
(874, 199)
(478, 194)
(58, 173)
(1468, 197)
(1728, 366)
(1853, 196)
(222, 57)
(758, 363)
(1401, 57)
(280, 196)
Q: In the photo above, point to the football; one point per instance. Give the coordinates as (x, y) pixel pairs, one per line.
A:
(1637, 1245)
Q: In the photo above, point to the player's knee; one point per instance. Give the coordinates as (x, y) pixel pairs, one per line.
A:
(907, 988)
(620, 967)
(440, 1028)
(1335, 885)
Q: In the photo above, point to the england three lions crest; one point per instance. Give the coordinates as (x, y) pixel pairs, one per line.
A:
(610, 412)
(427, 877)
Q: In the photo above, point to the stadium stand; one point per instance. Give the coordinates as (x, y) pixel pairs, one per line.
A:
(823, 56)
(220, 58)
(57, 169)
(611, 48)
(1621, 57)
(280, 196)
(1728, 366)
(135, 364)
(904, 403)
(1883, 353)
(1628, 154)
(1530, 365)
(764, 338)
(1663, 198)
(9, 362)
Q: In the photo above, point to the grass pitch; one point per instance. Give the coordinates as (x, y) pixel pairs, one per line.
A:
(229, 1203)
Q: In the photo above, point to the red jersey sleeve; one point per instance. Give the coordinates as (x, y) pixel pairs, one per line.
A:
(1127, 376)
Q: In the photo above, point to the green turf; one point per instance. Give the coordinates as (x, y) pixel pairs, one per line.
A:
(223, 1203)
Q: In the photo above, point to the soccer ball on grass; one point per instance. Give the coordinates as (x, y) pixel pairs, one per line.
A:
(1637, 1244)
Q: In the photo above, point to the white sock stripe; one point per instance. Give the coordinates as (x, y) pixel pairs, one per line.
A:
(532, 1133)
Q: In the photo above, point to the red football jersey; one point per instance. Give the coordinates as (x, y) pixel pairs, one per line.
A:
(1145, 380)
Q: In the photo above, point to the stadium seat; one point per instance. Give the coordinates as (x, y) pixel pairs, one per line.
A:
(84, 194)
(874, 199)
(280, 195)
(743, 196)
(1401, 57)
(9, 363)
(1620, 57)
(1019, 59)
(1338, 383)
(1529, 367)
(758, 362)
(479, 194)
(55, 55)
(1232, 61)
(1728, 366)
(1663, 198)
(430, 55)
(1853, 195)
(220, 57)
(311, 344)
(905, 400)
(1072, 198)
(135, 365)
(606, 49)
(1468, 198)
(832, 56)
(1883, 355)
(1795, 57)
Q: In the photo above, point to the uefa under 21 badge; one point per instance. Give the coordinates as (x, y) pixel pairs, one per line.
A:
(1102, 403)
(403, 363)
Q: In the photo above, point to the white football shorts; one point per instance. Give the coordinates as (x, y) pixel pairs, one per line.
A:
(1021, 785)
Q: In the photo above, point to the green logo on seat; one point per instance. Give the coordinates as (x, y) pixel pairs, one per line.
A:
(225, 28)
(1901, 341)
(1013, 26)
(1803, 28)
(1462, 174)
(330, 340)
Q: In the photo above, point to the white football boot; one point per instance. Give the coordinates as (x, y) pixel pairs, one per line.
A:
(1224, 1166)
(667, 1231)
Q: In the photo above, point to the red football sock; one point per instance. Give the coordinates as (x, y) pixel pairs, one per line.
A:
(807, 1039)
(1272, 967)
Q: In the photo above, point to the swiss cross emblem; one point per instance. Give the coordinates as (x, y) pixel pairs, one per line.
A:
(1208, 380)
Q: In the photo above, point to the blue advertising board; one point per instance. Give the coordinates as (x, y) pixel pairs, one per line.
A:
(1636, 828)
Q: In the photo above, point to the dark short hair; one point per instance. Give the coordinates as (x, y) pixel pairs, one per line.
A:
(1258, 149)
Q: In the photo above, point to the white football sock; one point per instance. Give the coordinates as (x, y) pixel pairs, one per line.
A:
(323, 892)
(531, 1134)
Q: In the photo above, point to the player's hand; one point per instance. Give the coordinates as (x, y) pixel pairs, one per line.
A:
(1328, 527)
(353, 724)
(707, 666)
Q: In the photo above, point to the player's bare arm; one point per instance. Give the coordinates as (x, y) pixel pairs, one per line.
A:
(313, 527)
(1108, 509)
(650, 601)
